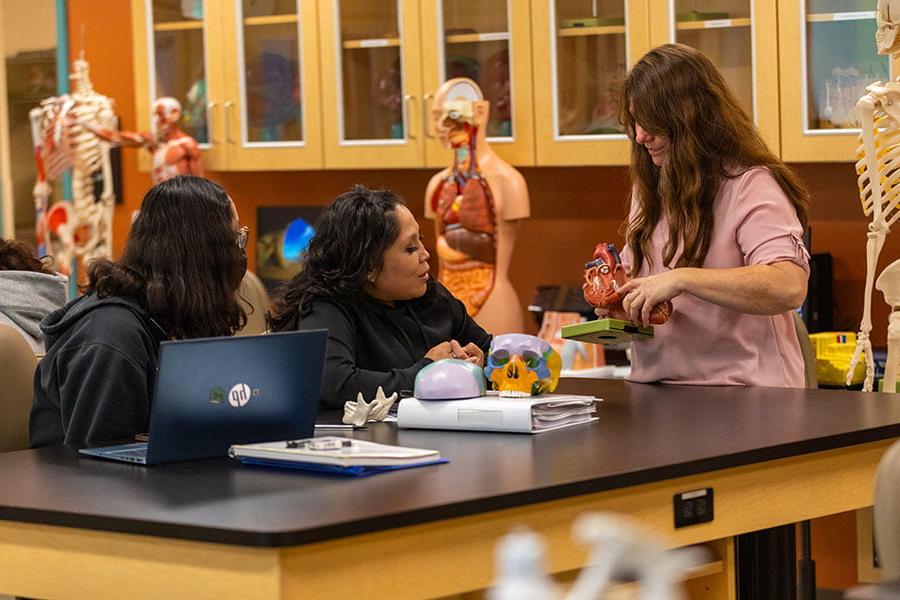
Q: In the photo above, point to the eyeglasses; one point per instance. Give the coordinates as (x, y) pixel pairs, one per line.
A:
(241, 237)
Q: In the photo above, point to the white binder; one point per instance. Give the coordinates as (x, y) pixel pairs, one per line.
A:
(534, 414)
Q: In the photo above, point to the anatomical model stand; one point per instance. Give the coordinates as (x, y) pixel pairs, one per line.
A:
(879, 172)
(61, 137)
(174, 152)
(476, 205)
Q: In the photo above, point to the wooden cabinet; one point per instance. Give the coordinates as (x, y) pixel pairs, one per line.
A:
(382, 60)
(828, 57)
(246, 73)
(488, 41)
(347, 84)
(582, 50)
(739, 38)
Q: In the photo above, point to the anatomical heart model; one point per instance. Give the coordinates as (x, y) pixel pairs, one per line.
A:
(603, 277)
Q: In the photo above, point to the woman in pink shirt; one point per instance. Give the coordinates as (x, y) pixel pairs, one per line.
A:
(715, 226)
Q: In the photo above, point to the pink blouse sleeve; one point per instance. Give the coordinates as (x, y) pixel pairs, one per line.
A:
(767, 228)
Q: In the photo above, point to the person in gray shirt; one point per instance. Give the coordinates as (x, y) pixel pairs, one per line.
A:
(29, 291)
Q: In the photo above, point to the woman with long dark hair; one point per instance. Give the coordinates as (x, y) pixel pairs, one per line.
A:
(715, 225)
(365, 279)
(183, 260)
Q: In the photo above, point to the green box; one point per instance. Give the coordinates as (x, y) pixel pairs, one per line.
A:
(606, 331)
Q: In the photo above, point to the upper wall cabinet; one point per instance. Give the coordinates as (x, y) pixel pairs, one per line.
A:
(246, 73)
(582, 49)
(488, 41)
(828, 57)
(739, 38)
(383, 59)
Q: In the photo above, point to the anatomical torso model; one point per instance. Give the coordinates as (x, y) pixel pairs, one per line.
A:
(476, 205)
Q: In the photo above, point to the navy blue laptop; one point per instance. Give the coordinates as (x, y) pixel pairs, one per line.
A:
(214, 392)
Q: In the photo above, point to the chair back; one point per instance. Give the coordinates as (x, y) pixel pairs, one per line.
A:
(253, 292)
(17, 366)
(809, 353)
(887, 513)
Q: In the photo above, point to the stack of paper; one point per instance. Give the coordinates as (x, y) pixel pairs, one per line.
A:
(335, 455)
(493, 413)
(562, 412)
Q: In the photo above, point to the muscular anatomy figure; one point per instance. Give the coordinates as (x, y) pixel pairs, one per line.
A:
(174, 151)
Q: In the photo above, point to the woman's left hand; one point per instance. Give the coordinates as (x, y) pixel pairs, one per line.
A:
(640, 295)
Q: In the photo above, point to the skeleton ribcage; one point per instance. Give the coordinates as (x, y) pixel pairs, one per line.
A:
(887, 152)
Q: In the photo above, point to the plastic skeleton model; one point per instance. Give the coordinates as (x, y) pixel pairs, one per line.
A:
(62, 138)
(620, 549)
(602, 278)
(464, 208)
(521, 365)
(358, 413)
(879, 173)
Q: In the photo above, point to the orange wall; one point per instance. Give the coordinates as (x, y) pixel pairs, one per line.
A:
(572, 208)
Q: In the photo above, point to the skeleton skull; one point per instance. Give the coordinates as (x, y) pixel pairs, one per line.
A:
(522, 365)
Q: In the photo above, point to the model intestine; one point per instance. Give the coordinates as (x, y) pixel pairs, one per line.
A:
(62, 139)
(603, 277)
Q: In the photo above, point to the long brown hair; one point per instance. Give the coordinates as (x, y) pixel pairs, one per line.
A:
(181, 260)
(675, 91)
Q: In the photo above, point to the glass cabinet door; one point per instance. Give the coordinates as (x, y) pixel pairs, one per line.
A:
(371, 83)
(738, 36)
(582, 51)
(488, 42)
(835, 59)
(175, 35)
(271, 110)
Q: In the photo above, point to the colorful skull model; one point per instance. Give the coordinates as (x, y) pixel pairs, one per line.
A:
(603, 277)
(522, 365)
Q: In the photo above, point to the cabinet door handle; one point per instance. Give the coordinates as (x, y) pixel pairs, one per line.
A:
(407, 100)
(426, 100)
(212, 105)
(228, 104)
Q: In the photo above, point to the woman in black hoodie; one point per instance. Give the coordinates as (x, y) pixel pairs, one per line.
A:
(184, 259)
(365, 279)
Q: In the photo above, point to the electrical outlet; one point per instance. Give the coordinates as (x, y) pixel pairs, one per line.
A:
(693, 507)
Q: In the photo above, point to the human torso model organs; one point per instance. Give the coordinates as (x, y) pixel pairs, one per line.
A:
(466, 225)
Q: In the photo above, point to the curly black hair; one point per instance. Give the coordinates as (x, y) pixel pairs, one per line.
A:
(351, 237)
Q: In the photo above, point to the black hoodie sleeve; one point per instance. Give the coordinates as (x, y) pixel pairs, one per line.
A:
(103, 396)
(342, 379)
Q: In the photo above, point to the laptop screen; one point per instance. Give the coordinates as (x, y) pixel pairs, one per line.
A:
(214, 392)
